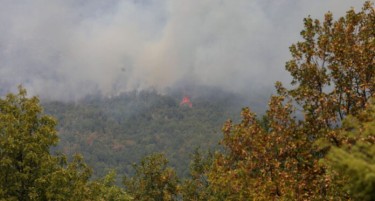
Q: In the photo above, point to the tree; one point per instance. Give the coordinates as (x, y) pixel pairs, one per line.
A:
(27, 169)
(25, 138)
(153, 180)
(278, 164)
(105, 189)
(197, 186)
(354, 160)
(333, 76)
(333, 69)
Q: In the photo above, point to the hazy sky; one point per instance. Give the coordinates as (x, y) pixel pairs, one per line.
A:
(66, 49)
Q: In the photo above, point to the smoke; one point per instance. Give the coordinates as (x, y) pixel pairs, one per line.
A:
(67, 49)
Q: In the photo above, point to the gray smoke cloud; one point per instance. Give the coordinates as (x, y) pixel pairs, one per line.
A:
(67, 49)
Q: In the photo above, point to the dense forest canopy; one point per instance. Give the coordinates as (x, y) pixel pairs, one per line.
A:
(325, 154)
(117, 132)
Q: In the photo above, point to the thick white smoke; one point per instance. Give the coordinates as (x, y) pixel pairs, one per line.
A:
(66, 49)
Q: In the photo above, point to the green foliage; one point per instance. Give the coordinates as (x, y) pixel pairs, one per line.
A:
(153, 180)
(105, 189)
(66, 181)
(116, 132)
(278, 157)
(25, 138)
(27, 169)
(354, 160)
(197, 187)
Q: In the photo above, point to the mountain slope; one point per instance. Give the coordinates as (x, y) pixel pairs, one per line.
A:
(116, 132)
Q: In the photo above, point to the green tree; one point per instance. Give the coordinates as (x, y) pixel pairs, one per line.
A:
(25, 139)
(153, 180)
(105, 189)
(197, 187)
(27, 169)
(354, 160)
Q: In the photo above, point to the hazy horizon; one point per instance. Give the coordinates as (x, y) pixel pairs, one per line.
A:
(67, 49)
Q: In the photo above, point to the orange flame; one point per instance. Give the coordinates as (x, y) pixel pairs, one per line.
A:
(186, 101)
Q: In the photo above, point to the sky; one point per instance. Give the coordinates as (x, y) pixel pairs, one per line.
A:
(67, 49)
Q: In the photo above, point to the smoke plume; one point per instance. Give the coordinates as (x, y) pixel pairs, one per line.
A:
(67, 49)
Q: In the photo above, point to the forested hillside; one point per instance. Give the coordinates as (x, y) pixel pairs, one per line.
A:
(114, 132)
(315, 140)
